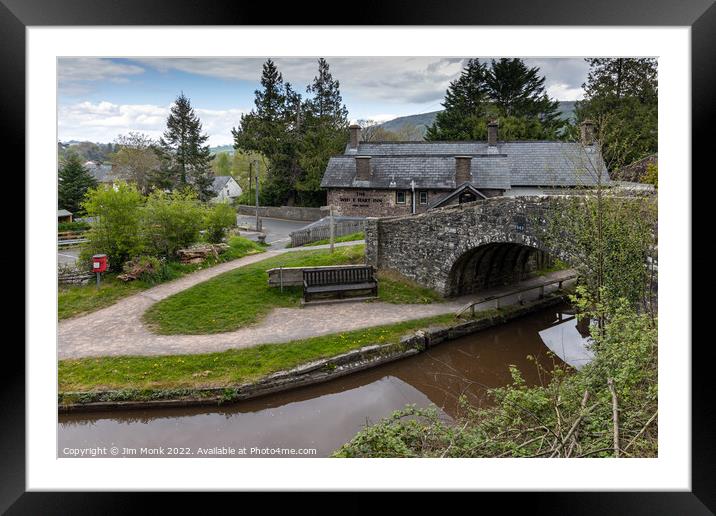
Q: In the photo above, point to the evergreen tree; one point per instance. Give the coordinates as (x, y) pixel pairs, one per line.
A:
(508, 92)
(621, 97)
(272, 129)
(74, 181)
(465, 105)
(518, 91)
(185, 145)
(324, 134)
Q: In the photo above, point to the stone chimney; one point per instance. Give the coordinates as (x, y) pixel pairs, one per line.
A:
(463, 173)
(355, 137)
(363, 168)
(587, 132)
(492, 133)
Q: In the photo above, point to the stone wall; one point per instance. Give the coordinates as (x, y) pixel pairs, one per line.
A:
(284, 212)
(431, 248)
(362, 202)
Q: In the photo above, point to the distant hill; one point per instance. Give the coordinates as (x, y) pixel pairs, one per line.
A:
(222, 148)
(424, 120)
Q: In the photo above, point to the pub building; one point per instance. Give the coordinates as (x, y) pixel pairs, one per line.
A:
(378, 179)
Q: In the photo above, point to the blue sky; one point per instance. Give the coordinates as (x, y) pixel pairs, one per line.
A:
(101, 98)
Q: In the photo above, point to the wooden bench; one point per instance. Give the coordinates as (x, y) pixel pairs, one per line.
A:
(338, 281)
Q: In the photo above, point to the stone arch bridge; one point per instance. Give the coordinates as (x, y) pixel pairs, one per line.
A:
(466, 248)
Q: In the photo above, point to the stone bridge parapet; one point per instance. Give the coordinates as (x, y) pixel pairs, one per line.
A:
(460, 249)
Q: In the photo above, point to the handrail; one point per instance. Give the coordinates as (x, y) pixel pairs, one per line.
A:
(471, 305)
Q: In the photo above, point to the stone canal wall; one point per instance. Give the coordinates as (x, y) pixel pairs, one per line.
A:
(299, 213)
(318, 371)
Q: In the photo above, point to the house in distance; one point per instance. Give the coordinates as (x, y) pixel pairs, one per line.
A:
(401, 178)
(226, 189)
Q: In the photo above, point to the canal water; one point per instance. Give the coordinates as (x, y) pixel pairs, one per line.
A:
(315, 420)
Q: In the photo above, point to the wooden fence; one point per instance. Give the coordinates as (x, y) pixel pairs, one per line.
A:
(70, 238)
(323, 232)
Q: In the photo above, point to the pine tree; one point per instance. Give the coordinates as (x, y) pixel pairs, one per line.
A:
(465, 105)
(74, 181)
(509, 92)
(185, 145)
(325, 132)
(518, 91)
(621, 97)
(272, 129)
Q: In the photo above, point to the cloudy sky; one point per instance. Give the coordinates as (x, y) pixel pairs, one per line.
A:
(101, 98)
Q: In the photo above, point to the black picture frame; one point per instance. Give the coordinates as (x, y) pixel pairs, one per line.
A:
(700, 15)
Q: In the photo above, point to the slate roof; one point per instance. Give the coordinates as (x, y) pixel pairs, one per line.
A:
(432, 165)
(444, 197)
(219, 183)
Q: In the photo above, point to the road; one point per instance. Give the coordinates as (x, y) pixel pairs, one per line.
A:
(67, 255)
(276, 230)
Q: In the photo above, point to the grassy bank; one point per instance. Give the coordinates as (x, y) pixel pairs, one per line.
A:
(359, 235)
(242, 296)
(82, 299)
(226, 368)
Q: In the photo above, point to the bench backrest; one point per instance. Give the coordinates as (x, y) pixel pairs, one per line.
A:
(345, 276)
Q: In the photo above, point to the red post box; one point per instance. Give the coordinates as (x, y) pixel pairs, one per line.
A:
(99, 263)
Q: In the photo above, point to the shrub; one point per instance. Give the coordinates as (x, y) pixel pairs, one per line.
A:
(219, 217)
(171, 222)
(116, 229)
(72, 226)
(652, 175)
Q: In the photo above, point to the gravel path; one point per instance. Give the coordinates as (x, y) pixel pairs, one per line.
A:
(118, 329)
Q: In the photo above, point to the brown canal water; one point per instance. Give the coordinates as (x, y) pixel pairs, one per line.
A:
(315, 420)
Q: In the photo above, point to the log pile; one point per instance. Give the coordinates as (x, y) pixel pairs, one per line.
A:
(136, 268)
(199, 253)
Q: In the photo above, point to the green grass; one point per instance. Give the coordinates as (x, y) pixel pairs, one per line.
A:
(558, 265)
(225, 368)
(393, 287)
(239, 297)
(82, 299)
(360, 235)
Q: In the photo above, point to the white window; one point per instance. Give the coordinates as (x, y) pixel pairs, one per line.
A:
(400, 197)
(423, 197)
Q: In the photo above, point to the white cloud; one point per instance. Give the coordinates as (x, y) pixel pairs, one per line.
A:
(563, 91)
(380, 118)
(400, 80)
(73, 73)
(104, 121)
(392, 79)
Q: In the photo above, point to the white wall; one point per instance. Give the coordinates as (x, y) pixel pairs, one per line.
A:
(230, 191)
